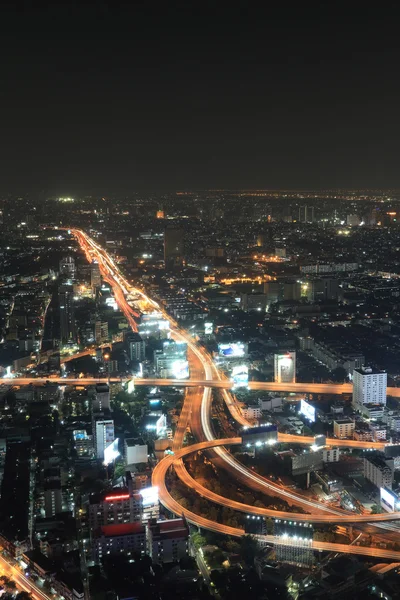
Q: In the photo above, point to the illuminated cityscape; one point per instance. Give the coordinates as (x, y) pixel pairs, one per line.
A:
(199, 304)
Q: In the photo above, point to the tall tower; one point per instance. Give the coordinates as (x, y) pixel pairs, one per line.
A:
(173, 248)
(67, 267)
(67, 313)
(95, 276)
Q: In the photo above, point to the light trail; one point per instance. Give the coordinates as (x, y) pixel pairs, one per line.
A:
(121, 287)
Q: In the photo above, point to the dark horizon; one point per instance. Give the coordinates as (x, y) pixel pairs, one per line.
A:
(199, 97)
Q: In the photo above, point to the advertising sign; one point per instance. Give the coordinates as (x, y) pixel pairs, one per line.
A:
(240, 376)
(111, 452)
(149, 495)
(307, 410)
(232, 350)
(180, 369)
(388, 500)
(208, 328)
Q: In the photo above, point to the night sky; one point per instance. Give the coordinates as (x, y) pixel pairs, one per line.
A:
(199, 95)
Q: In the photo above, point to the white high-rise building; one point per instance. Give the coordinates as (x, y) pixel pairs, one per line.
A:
(369, 387)
(104, 435)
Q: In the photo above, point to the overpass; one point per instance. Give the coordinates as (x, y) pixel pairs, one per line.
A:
(224, 384)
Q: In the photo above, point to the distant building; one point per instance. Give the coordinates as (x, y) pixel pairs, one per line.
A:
(253, 302)
(167, 540)
(67, 267)
(379, 470)
(173, 248)
(343, 428)
(306, 214)
(95, 276)
(101, 332)
(369, 386)
(322, 289)
(67, 313)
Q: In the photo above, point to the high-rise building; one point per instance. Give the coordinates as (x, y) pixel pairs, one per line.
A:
(273, 291)
(173, 248)
(101, 332)
(101, 400)
(52, 498)
(137, 347)
(379, 470)
(306, 214)
(285, 367)
(103, 433)
(369, 387)
(67, 313)
(95, 275)
(112, 508)
(67, 267)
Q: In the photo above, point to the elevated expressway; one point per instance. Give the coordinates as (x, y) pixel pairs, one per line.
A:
(196, 413)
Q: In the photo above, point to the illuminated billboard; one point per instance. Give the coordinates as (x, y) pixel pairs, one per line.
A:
(232, 350)
(180, 369)
(285, 367)
(208, 328)
(149, 496)
(111, 452)
(389, 500)
(307, 410)
(131, 386)
(240, 376)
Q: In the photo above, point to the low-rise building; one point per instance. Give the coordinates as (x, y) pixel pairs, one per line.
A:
(252, 412)
(330, 455)
(135, 451)
(114, 539)
(343, 428)
(167, 540)
(363, 435)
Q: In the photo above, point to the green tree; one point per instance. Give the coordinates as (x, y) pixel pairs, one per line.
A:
(198, 540)
(249, 549)
(376, 510)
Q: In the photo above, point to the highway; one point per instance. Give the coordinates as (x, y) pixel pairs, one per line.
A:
(21, 581)
(161, 469)
(196, 412)
(224, 384)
